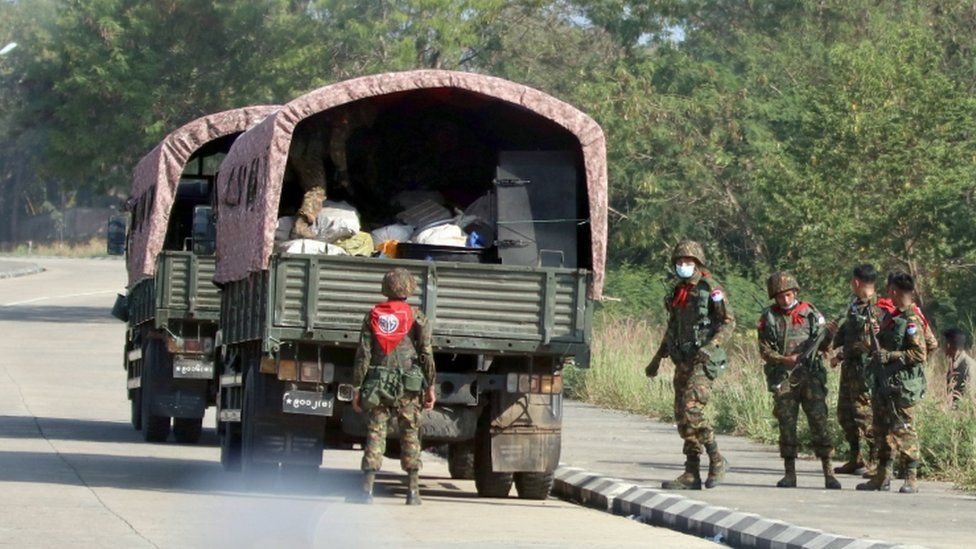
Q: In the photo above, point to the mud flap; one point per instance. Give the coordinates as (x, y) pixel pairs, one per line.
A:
(526, 435)
(525, 452)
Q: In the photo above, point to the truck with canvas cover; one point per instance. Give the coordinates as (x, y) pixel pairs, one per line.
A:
(172, 306)
(492, 194)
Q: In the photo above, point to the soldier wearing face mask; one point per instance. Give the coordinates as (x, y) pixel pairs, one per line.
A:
(699, 322)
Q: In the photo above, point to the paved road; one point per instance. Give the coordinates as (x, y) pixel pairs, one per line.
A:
(74, 473)
(645, 451)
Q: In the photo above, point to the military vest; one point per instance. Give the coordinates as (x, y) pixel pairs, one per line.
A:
(690, 327)
(905, 384)
(395, 374)
(788, 337)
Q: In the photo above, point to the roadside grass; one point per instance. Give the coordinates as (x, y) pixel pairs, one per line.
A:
(93, 247)
(741, 405)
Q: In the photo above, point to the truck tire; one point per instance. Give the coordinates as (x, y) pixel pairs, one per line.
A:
(258, 475)
(533, 485)
(135, 409)
(230, 446)
(488, 483)
(460, 460)
(187, 430)
(154, 428)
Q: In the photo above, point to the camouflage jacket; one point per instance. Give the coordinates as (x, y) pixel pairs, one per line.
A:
(903, 371)
(699, 317)
(957, 376)
(415, 350)
(852, 336)
(782, 332)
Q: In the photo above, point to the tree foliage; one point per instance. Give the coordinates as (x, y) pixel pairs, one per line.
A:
(800, 134)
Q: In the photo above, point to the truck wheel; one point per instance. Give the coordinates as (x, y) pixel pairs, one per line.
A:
(154, 428)
(187, 430)
(230, 446)
(258, 473)
(135, 409)
(488, 483)
(533, 485)
(460, 460)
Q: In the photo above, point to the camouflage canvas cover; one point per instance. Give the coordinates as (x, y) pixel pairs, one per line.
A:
(157, 175)
(251, 176)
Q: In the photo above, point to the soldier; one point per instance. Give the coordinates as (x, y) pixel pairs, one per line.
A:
(960, 363)
(887, 303)
(699, 322)
(898, 365)
(304, 226)
(854, 396)
(785, 330)
(394, 370)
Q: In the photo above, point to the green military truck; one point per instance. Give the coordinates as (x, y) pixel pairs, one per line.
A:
(506, 317)
(172, 306)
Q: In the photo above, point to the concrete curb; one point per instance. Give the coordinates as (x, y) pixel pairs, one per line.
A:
(676, 512)
(15, 269)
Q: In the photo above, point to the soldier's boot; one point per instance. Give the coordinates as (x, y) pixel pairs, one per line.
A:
(789, 479)
(365, 496)
(881, 482)
(911, 479)
(830, 481)
(717, 466)
(413, 488)
(854, 465)
(690, 479)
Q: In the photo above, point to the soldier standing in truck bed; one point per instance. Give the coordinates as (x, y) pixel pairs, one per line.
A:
(394, 373)
(699, 322)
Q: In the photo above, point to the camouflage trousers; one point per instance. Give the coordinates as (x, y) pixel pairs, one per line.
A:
(691, 392)
(407, 413)
(854, 411)
(895, 432)
(812, 397)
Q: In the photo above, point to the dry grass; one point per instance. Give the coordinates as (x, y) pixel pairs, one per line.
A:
(741, 404)
(93, 247)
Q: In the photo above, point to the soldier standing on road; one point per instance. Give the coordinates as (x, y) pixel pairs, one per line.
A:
(961, 364)
(854, 396)
(888, 304)
(699, 322)
(899, 383)
(784, 329)
(394, 372)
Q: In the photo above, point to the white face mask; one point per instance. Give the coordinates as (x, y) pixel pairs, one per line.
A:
(791, 305)
(685, 270)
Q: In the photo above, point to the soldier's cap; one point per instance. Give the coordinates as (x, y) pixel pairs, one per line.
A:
(779, 282)
(398, 284)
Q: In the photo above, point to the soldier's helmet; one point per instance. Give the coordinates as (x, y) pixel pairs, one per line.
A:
(689, 248)
(780, 282)
(399, 284)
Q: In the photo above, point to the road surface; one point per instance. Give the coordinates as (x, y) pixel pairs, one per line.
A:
(74, 473)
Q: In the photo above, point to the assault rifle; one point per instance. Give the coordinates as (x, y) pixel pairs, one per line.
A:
(881, 378)
(805, 361)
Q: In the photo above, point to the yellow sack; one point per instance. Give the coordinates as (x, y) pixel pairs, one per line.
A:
(358, 244)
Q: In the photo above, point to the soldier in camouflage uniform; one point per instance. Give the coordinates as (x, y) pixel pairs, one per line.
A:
(304, 226)
(699, 322)
(898, 369)
(854, 397)
(394, 372)
(783, 329)
(961, 365)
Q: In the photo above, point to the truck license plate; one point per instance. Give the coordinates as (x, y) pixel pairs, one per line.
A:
(307, 402)
(192, 369)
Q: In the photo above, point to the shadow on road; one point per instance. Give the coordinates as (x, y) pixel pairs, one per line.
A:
(90, 430)
(56, 314)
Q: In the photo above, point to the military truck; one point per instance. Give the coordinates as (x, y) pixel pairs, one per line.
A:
(172, 306)
(505, 317)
